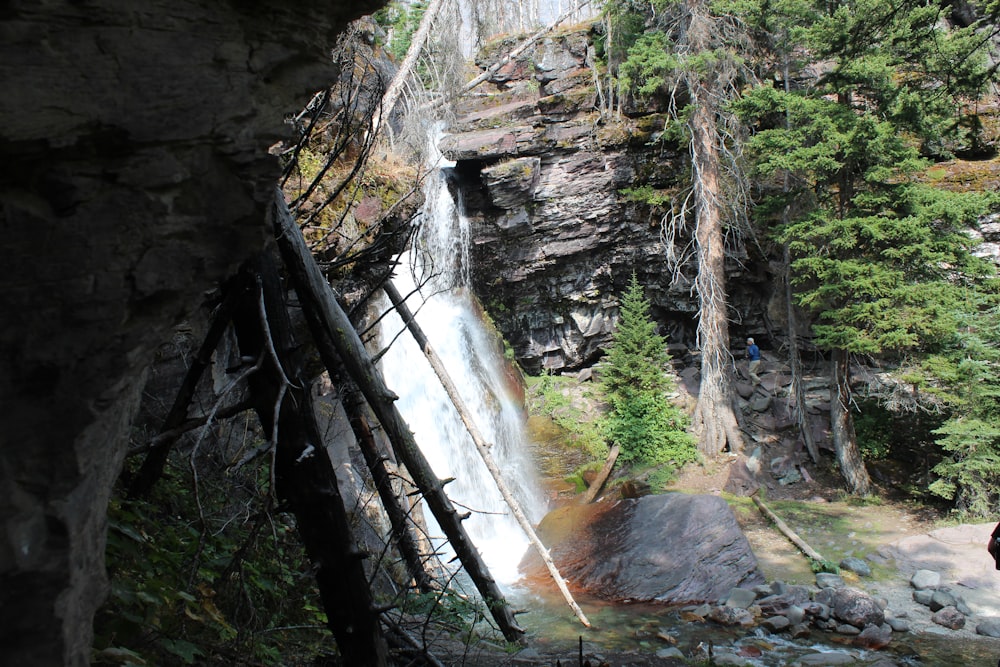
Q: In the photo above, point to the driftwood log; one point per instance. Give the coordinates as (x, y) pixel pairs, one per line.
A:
(481, 445)
(792, 536)
(602, 477)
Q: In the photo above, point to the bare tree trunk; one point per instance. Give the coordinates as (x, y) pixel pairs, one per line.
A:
(152, 467)
(391, 96)
(339, 344)
(795, 363)
(714, 416)
(481, 445)
(845, 441)
(305, 481)
(794, 358)
(402, 535)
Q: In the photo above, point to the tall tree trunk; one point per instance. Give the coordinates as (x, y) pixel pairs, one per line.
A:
(794, 357)
(305, 481)
(714, 416)
(845, 441)
(402, 534)
(795, 363)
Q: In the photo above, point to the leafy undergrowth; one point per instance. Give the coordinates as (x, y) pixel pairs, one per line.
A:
(230, 587)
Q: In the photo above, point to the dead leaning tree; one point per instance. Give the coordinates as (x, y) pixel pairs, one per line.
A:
(481, 445)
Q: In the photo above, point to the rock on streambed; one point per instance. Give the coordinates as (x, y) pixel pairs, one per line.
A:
(672, 548)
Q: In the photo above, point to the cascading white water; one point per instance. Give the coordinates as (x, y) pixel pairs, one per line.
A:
(446, 312)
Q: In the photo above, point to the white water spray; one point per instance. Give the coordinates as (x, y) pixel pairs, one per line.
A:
(448, 315)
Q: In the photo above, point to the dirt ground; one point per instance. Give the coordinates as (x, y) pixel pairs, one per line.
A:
(894, 536)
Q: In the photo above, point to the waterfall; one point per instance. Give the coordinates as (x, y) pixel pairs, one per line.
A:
(448, 314)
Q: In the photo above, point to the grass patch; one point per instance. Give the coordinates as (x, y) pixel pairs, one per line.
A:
(558, 398)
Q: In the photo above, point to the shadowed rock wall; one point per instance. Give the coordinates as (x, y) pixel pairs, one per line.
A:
(135, 176)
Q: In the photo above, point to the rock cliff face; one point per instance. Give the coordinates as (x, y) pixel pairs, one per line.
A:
(136, 175)
(556, 237)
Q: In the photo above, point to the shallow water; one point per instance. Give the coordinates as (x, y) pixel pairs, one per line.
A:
(649, 628)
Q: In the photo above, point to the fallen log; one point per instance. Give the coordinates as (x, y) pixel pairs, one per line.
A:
(481, 445)
(159, 448)
(792, 536)
(405, 541)
(340, 347)
(602, 477)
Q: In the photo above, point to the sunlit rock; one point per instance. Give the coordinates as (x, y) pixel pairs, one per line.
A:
(670, 548)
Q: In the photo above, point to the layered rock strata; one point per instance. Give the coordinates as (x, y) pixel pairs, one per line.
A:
(550, 187)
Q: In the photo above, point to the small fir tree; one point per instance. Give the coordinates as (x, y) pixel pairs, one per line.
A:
(642, 422)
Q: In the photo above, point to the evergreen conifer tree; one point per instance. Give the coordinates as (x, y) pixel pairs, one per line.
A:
(875, 253)
(642, 421)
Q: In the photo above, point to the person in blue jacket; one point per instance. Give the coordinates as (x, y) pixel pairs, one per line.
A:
(753, 354)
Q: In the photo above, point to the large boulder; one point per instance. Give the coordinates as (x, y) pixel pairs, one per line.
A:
(672, 548)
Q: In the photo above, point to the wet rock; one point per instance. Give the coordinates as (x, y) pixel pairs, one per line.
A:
(823, 659)
(989, 628)
(875, 636)
(731, 616)
(670, 652)
(800, 631)
(898, 624)
(847, 629)
(701, 610)
(829, 580)
(775, 624)
(795, 614)
(671, 548)
(852, 606)
(817, 610)
(924, 579)
(763, 590)
(950, 618)
(741, 598)
(856, 565)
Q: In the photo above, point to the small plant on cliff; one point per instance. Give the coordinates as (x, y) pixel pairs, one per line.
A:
(642, 421)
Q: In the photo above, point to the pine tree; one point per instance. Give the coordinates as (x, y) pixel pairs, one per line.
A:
(642, 421)
(875, 254)
(969, 362)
